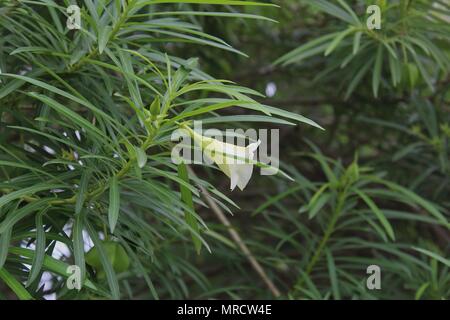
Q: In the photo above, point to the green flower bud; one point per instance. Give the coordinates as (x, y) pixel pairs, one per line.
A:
(116, 255)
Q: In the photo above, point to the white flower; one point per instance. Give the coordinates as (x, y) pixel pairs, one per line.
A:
(235, 161)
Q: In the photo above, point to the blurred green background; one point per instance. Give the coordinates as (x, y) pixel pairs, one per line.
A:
(371, 189)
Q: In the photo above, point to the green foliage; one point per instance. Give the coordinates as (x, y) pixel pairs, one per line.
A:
(86, 118)
(407, 47)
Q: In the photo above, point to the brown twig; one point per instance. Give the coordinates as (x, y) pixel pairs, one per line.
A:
(238, 240)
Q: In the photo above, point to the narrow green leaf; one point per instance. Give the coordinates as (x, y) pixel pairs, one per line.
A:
(356, 42)
(21, 213)
(104, 34)
(114, 203)
(387, 226)
(111, 276)
(78, 243)
(357, 77)
(15, 285)
(39, 254)
(221, 2)
(273, 200)
(26, 192)
(186, 197)
(82, 190)
(317, 205)
(433, 255)
(5, 239)
(142, 270)
(376, 76)
(337, 40)
(246, 118)
(333, 275)
(352, 13)
(51, 264)
(69, 114)
(421, 290)
(416, 199)
(333, 10)
(395, 69)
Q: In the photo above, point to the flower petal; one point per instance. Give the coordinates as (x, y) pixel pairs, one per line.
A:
(234, 178)
(235, 161)
(244, 172)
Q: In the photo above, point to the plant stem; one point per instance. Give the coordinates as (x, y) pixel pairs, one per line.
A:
(238, 240)
(328, 232)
